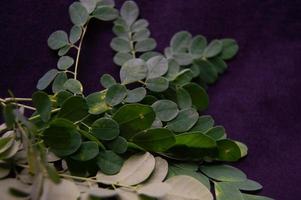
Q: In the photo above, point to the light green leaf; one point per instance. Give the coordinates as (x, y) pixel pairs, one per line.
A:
(42, 103)
(75, 33)
(183, 98)
(165, 110)
(159, 84)
(243, 148)
(217, 133)
(133, 70)
(74, 108)
(183, 77)
(180, 40)
(135, 95)
(78, 14)
(184, 121)
(57, 40)
(157, 66)
(121, 58)
(105, 129)
(198, 96)
(225, 191)
(141, 35)
(129, 12)
(230, 48)
(65, 62)
(134, 118)
(105, 13)
(148, 55)
(247, 185)
(203, 124)
(139, 25)
(116, 94)
(62, 137)
(109, 162)
(110, 3)
(58, 83)
(156, 140)
(90, 5)
(96, 103)
(107, 80)
(223, 173)
(228, 150)
(73, 86)
(118, 145)
(197, 46)
(47, 79)
(213, 49)
(145, 45)
(254, 197)
(183, 58)
(173, 69)
(120, 45)
(87, 151)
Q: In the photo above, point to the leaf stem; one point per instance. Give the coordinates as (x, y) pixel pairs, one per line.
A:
(38, 116)
(92, 138)
(17, 99)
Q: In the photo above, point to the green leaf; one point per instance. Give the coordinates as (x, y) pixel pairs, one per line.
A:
(183, 98)
(133, 70)
(197, 46)
(225, 191)
(207, 71)
(64, 50)
(156, 140)
(129, 12)
(183, 59)
(62, 137)
(96, 103)
(105, 129)
(42, 103)
(87, 151)
(75, 33)
(6, 142)
(121, 58)
(180, 40)
(217, 133)
(105, 13)
(157, 66)
(243, 148)
(118, 145)
(120, 45)
(58, 83)
(74, 108)
(107, 81)
(134, 118)
(247, 185)
(228, 150)
(159, 84)
(223, 173)
(230, 49)
(165, 110)
(135, 95)
(198, 96)
(184, 77)
(57, 40)
(195, 140)
(116, 94)
(173, 69)
(184, 121)
(53, 174)
(73, 86)
(109, 162)
(213, 49)
(62, 96)
(141, 35)
(203, 124)
(47, 79)
(139, 25)
(65, 62)
(90, 5)
(145, 45)
(110, 3)
(219, 65)
(254, 197)
(78, 14)
(9, 116)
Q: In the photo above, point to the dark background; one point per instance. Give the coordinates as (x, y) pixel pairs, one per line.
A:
(257, 100)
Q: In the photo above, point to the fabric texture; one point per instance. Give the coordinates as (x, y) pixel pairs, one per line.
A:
(257, 99)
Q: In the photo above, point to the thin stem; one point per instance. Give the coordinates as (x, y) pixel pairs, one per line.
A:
(25, 106)
(67, 71)
(18, 99)
(38, 116)
(133, 52)
(79, 50)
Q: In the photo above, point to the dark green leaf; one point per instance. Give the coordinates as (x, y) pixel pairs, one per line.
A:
(133, 70)
(157, 66)
(109, 162)
(75, 34)
(159, 84)
(9, 116)
(62, 96)
(228, 150)
(184, 121)
(116, 94)
(78, 14)
(96, 103)
(129, 12)
(47, 79)
(57, 40)
(135, 95)
(62, 137)
(198, 96)
(107, 80)
(243, 148)
(207, 71)
(203, 124)
(64, 50)
(105, 13)
(195, 140)
(217, 133)
(118, 145)
(53, 174)
(184, 77)
(214, 48)
(65, 62)
(74, 108)
(146, 45)
(230, 49)
(87, 151)
(105, 129)
(73, 86)
(58, 83)
(42, 103)
(165, 110)
(156, 140)
(134, 118)
(180, 40)
(219, 65)
(225, 191)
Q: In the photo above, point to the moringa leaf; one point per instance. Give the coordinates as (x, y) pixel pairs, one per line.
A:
(135, 95)
(78, 14)
(213, 49)
(65, 62)
(96, 103)
(230, 48)
(107, 81)
(120, 58)
(165, 110)
(159, 84)
(179, 41)
(198, 96)
(184, 121)
(105, 129)
(157, 66)
(225, 191)
(197, 46)
(203, 124)
(87, 151)
(47, 79)
(118, 145)
(42, 103)
(105, 13)
(75, 32)
(74, 108)
(129, 12)
(58, 83)
(109, 162)
(57, 40)
(116, 94)
(228, 150)
(145, 45)
(73, 86)
(133, 70)
(120, 45)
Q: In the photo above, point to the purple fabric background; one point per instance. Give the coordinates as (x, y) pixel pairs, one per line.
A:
(257, 100)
